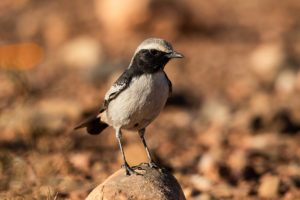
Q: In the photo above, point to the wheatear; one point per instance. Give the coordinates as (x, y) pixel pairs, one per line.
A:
(138, 95)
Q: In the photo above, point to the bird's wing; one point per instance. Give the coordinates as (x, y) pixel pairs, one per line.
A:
(169, 83)
(120, 85)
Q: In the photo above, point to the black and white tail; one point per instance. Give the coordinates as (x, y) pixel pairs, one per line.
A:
(94, 125)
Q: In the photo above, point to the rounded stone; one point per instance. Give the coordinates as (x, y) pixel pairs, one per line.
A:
(153, 183)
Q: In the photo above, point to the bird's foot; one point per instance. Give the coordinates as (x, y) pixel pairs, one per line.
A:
(129, 170)
(153, 165)
(137, 167)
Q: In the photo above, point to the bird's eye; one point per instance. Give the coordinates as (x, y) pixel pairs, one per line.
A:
(154, 52)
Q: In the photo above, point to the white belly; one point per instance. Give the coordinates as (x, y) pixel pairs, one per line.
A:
(139, 104)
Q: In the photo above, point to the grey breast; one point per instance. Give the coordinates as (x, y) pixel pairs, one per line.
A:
(140, 103)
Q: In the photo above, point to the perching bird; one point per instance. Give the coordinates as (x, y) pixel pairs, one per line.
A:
(138, 95)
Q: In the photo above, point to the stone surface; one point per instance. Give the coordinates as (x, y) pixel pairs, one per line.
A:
(152, 184)
(269, 186)
(119, 16)
(82, 52)
(266, 60)
(202, 183)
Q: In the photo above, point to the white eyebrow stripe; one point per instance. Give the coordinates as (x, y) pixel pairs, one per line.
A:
(156, 46)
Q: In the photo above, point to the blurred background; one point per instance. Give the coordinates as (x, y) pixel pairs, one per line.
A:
(229, 131)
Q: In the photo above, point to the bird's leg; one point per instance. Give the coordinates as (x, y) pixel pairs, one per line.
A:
(128, 169)
(151, 163)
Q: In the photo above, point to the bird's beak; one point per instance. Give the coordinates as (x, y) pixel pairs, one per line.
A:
(175, 54)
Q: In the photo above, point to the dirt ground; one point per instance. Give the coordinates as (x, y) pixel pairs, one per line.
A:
(231, 129)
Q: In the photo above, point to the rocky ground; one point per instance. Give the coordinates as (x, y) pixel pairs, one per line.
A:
(229, 131)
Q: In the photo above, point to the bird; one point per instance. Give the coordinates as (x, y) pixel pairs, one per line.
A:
(137, 97)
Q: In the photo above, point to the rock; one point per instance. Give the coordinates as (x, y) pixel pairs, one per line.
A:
(237, 161)
(223, 191)
(297, 82)
(52, 113)
(188, 192)
(120, 15)
(260, 103)
(266, 60)
(216, 111)
(20, 124)
(269, 186)
(266, 144)
(212, 136)
(47, 167)
(201, 183)
(286, 82)
(55, 30)
(207, 166)
(82, 52)
(47, 190)
(203, 196)
(117, 17)
(262, 142)
(152, 184)
(80, 160)
(180, 116)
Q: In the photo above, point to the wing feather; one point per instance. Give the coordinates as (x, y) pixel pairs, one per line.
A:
(120, 85)
(169, 83)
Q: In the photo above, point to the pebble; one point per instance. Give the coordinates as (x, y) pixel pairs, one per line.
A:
(286, 82)
(202, 183)
(208, 166)
(80, 160)
(153, 184)
(266, 59)
(121, 15)
(82, 52)
(269, 186)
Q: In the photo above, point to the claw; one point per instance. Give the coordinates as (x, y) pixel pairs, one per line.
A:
(129, 170)
(153, 165)
(137, 167)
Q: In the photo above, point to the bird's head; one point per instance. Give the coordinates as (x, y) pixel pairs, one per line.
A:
(153, 54)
